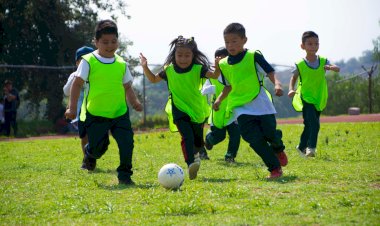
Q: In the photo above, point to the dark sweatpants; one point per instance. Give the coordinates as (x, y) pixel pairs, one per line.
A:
(261, 134)
(97, 129)
(309, 136)
(218, 135)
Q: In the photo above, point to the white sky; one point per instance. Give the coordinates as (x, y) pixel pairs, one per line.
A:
(345, 27)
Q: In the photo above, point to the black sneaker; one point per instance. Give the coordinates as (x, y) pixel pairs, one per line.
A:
(208, 145)
(128, 182)
(83, 167)
(89, 163)
(229, 159)
(203, 154)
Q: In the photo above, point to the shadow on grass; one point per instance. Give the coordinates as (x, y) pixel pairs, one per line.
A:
(217, 180)
(116, 187)
(284, 179)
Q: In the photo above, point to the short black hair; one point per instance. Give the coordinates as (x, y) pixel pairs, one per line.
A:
(235, 28)
(308, 34)
(105, 27)
(222, 51)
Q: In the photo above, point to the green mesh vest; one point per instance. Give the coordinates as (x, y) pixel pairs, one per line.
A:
(312, 86)
(185, 92)
(218, 117)
(106, 94)
(244, 80)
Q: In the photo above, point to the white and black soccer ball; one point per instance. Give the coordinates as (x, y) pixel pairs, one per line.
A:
(171, 176)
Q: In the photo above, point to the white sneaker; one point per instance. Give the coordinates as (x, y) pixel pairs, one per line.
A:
(310, 152)
(193, 170)
(197, 158)
(301, 152)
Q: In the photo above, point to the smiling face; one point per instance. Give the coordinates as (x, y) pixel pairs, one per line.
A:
(311, 46)
(183, 57)
(107, 45)
(234, 43)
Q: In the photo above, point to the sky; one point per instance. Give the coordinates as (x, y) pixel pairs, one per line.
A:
(346, 28)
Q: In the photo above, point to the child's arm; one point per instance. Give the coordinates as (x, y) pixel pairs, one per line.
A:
(292, 82)
(131, 97)
(277, 84)
(71, 112)
(149, 74)
(67, 86)
(217, 71)
(226, 90)
(332, 67)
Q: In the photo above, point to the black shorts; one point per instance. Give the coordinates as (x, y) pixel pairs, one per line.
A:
(81, 129)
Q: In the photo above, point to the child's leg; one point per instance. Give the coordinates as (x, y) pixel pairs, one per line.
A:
(250, 129)
(198, 136)
(234, 142)
(216, 135)
(309, 135)
(272, 135)
(187, 142)
(123, 134)
(97, 133)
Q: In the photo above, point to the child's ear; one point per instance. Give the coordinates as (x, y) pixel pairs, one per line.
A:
(302, 46)
(245, 40)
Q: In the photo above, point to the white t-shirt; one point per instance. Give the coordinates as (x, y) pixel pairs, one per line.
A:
(84, 68)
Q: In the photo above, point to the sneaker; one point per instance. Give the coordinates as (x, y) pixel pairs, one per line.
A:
(276, 173)
(197, 158)
(310, 152)
(208, 145)
(128, 181)
(301, 152)
(204, 156)
(83, 167)
(193, 170)
(229, 159)
(89, 163)
(282, 158)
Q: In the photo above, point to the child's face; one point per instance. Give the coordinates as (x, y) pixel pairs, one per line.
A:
(234, 43)
(311, 45)
(183, 57)
(107, 45)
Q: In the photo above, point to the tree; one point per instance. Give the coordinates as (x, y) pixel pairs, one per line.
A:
(47, 33)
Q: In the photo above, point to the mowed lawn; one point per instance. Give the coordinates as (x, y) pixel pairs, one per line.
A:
(41, 183)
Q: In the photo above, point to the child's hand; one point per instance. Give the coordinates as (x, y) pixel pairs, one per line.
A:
(143, 60)
(137, 106)
(327, 67)
(216, 105)
(69, 114)
(278, 90)
(291, 93)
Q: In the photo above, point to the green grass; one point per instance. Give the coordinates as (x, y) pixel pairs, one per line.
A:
(41, 183)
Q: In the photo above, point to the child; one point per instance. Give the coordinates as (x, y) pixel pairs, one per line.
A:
(105, 108)
(248, 101)
(216, 119)
(311, 95)
(183, 70)
(79, 125)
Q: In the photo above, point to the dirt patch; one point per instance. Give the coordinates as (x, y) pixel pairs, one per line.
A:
(324, 119)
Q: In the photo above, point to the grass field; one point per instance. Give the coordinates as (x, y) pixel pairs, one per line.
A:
(41, 183)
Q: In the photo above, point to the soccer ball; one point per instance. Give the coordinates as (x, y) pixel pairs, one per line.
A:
(171, 176)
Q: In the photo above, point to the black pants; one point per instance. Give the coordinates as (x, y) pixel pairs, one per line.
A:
(10, 121)
(97, 129)
(218, 135)
(261, 134)
(309, 136)
(192, 137)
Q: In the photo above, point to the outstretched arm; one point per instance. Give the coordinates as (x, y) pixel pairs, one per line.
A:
(217, 71)
(131, 97)
(277, 84)
(147, 72)
(332, 67)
